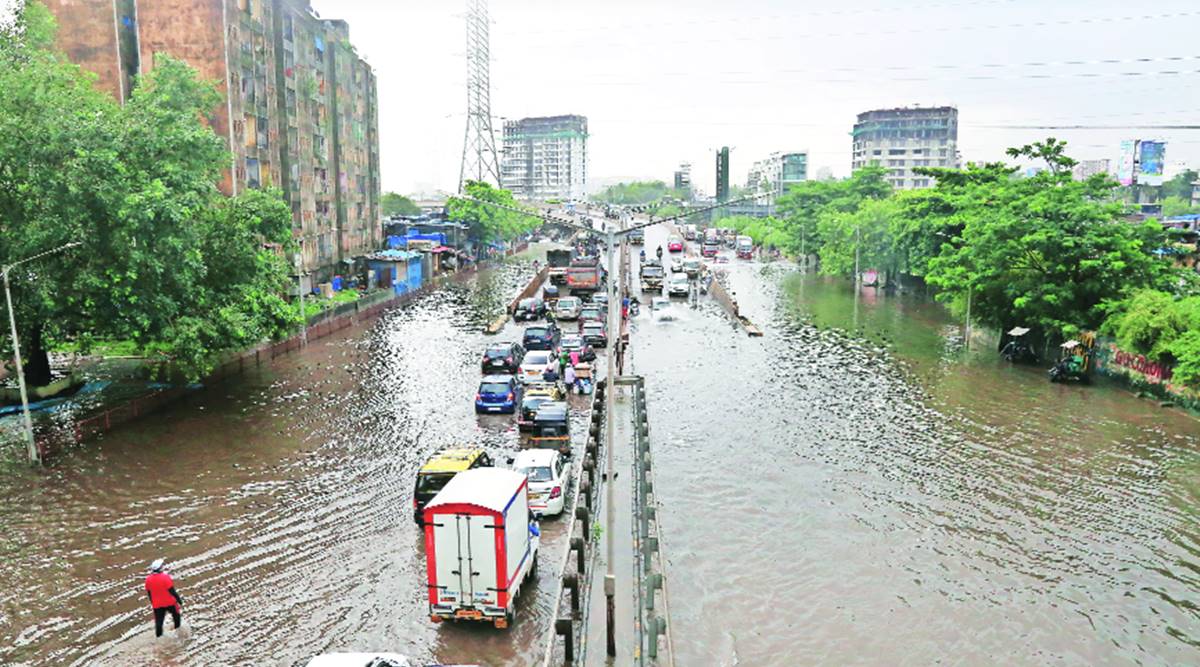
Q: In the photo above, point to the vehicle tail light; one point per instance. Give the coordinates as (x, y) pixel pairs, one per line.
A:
(508, 359)
(478, 397)
(556, 492)
(511, 396)
(415, 505)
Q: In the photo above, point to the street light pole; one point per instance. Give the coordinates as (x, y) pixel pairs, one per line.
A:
(298, 260)
(614, 325)
(35, 456)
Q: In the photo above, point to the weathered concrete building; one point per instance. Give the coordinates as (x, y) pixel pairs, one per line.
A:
(300, 110)
(903, 138)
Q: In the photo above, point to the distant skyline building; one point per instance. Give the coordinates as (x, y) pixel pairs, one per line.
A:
(299, 110)
(903, 138)
(723, 174)
(1088, 168)
(546, 157)
(778, 171)
(683, 177)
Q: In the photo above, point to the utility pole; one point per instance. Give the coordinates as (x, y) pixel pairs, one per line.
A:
(35, 456)
(857, 243)
(298, 259)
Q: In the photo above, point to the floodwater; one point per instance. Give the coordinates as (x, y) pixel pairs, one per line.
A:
(852, 488)
(282, 500)
(857, 488)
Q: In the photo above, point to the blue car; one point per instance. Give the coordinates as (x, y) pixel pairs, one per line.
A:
(498, 394)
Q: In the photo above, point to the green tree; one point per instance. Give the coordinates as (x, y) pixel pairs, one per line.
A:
(397, 204)
(1174, 205)
(805, 202)
(1045, 251)
(136, 184)
(1181, 185)
(491, 223)
(869, 229)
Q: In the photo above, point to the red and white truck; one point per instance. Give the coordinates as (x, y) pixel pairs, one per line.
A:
(480, 546)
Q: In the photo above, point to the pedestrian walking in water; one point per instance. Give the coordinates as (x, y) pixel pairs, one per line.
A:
(164, 598)
(569, 378)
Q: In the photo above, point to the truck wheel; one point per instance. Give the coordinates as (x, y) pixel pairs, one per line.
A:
(533, 568)
(508, 619)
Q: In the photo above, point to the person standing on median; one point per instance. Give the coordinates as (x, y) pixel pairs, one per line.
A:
(163, 597)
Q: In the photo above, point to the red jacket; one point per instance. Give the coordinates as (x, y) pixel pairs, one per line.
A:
(160, 586)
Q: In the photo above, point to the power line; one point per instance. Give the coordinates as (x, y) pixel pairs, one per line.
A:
(658, 43)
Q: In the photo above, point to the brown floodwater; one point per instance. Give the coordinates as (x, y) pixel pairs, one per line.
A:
(853, 488)
(857, 488)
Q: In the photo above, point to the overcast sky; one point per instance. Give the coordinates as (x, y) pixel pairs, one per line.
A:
(663, 82)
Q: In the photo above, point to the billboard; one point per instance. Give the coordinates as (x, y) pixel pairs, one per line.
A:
(1125, 162)
(1151, 160)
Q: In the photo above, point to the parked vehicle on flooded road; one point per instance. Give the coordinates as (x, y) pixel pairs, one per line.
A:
(548, 479)
(440, 469)
(504, 357)
(480, 547)
(498, 394)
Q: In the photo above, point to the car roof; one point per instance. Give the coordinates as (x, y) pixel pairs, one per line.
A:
(592, 324)
(496, 378)
(535, 456)
(454, 459)
(500, 345)
(356, 660)
(553, 409)
(534, 354)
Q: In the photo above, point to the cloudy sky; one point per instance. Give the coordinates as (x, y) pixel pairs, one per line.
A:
(663, 82)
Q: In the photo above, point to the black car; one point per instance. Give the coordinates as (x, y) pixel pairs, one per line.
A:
(529, 408)
(502, 358)
(542, 337)
(595, 334)
(530, 309)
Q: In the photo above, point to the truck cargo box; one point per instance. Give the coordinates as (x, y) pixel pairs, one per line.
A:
(479, 548)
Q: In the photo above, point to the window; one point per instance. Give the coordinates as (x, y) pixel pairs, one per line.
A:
(896, 151)
(287, 28)
(252, 174)
(877, 152)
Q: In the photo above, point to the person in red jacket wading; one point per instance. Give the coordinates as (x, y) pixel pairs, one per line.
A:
(163, 597)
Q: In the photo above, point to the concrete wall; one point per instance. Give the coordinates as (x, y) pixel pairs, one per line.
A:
(87, 32)
(1140, 373)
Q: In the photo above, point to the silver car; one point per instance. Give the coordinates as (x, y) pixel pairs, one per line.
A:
(567, 308)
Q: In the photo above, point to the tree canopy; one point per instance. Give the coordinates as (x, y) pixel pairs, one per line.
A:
(165, 260)
(394, 203)
(491, 223)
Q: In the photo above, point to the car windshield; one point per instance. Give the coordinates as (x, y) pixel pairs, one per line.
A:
(593, 328)
(497, 352)
(429, 485)
(537, 358)
(538, 473)
(493, 388)
(572, 342)
(537, 332)
(568, 302)
(652, 271)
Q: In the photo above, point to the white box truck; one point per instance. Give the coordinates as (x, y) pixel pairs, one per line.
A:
(479, 546)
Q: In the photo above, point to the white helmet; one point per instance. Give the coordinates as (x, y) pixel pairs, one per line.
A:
(158, 565)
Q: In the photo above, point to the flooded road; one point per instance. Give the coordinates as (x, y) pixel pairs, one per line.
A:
(282, 500)
(855, 488)
(852, 488)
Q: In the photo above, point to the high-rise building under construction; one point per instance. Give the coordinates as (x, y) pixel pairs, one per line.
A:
(904, 138)
(545, 158)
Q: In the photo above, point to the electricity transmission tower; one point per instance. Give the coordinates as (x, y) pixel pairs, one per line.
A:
(479, 158)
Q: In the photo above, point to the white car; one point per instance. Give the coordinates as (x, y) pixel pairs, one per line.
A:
(548, 479)
(365, 660)
(535, 364)
(661, 308)
(676, 286)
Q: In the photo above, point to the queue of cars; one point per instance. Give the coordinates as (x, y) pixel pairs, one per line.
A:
(469, 509)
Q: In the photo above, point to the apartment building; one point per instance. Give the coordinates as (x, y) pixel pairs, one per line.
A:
(545, 158)
(903, 138)
(1088, 168)
(300, 111)
(777, 171)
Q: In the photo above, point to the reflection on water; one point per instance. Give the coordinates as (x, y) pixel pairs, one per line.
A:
(855, 488)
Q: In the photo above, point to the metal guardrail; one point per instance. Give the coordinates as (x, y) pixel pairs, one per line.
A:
(570, 615)
(650, 565)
